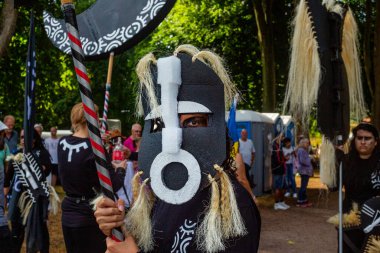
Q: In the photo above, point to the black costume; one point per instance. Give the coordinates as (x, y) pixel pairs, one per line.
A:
(198, 204)
(171, 234)
(14, 214)
(361, 178)
(80, 182)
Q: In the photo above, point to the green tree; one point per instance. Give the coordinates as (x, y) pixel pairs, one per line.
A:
(226, 27)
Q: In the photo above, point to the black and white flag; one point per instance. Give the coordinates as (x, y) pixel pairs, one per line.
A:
(30, 84)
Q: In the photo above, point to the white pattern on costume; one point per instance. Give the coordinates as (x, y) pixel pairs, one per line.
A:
(375, 179)
(75, 147)
(183, 237)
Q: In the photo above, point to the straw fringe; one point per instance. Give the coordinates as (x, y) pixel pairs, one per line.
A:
(94, 202)
(302, 89)
(53, 199)
(327, 163)
(373, 245)
(138, 219)
(232, 222)
(209, 233)
(144, 74)
(211, 59)
(350, 55)
(25, 206)
(331, 6)
(187, 49)
(136, 181)
(352, 219)
(215, 62)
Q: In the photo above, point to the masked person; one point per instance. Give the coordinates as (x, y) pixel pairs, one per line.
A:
(361, 177)
(187, 197)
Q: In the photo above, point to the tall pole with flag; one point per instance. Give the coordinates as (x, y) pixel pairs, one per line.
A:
(30, 83)
(107, 94)
(88, 105)
(30, 198)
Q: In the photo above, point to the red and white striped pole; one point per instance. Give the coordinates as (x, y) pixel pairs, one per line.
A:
(107, 94)
(88, 105)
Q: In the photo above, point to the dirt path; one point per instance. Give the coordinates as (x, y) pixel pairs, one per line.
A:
(299, 229)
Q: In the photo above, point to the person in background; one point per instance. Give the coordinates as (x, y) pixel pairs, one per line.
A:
(79, 179)
(242, 177)
(361, 174)
(39, 128)
(305, 170)
(11, 136)
(247, 150)
(289, 154)
(125, 169)
(278, 172)
(11, 183)
(51, 145)
(5, 234)
(136, 132)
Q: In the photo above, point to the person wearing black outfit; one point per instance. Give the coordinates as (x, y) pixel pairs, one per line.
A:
(361, 174)
(179, 144)
(11, 183)
(111, 215)
(76, 166)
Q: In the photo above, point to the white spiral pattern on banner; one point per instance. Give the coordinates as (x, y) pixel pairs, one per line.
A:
(55, 32)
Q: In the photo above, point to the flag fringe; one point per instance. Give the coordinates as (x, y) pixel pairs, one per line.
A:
(138, 220)
(351, 219)
(302, 90)
(327, 163)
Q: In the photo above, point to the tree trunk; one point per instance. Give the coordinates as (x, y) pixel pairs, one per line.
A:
(376, 61)
(8, 25)
(263, 16)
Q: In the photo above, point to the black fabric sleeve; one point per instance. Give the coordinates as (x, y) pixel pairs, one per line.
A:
(340, 157)
(252, 221)
(45, 161)
(117, 178)
(9, 174)
(134, 156)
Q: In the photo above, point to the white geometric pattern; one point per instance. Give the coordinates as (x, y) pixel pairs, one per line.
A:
(56, 33)
(183, 237)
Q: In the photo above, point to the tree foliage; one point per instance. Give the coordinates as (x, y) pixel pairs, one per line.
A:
(227, 27)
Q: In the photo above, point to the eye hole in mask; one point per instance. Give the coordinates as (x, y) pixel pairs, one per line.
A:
(194, 120)
(191, 114)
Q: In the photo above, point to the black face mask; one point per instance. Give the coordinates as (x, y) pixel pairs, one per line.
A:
(178, 159)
